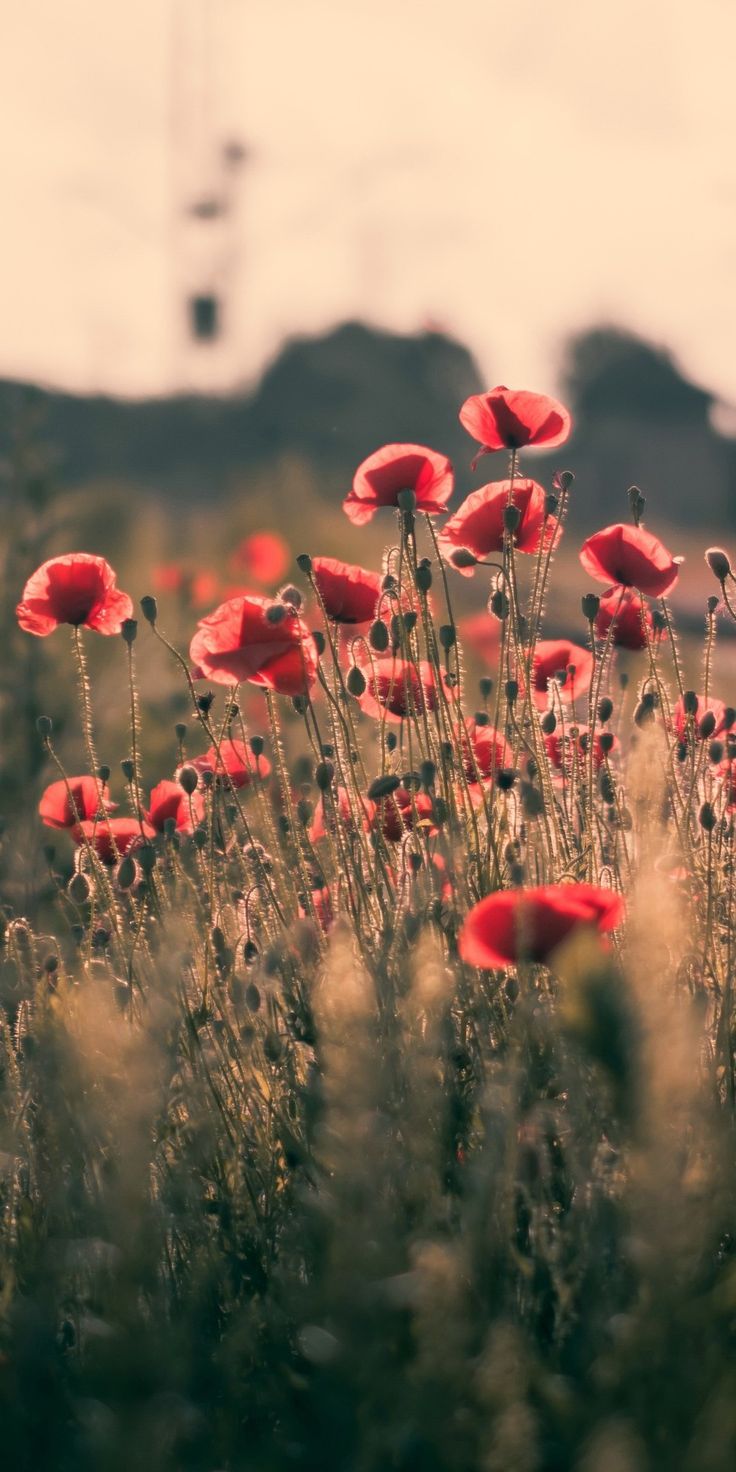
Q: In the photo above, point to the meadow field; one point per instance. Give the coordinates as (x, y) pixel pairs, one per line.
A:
(368, 1085)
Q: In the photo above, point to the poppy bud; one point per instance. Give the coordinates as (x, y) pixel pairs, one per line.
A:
(729, 716)
(707, 726)
(304, 562)
(690, 703)
(129, 629)
(410, 621)
(300, 704)
(643, 713)
(79, 888)
(590, 604)
(482, 718)
(462, 557)
(292, 596)
(623, 680)
(392, 740)
(447, 752)
(147, 858)
(44, 726)
(447, 636)
(378, 636)
(606, 740)
(127, 768)
(681, 751)
(439, 811)
(415, 862)
(563, 480)
(256, 745)
(707, 818)
(550, 505)
(719, 563)
(199, 837)
(149, 609)
(511, 689)
(276, 613)
(324, 774)
(606, 787)
(383, 787)
(51, 964)
(712, 604)
(549, 722)
(531, 800)
(511, 517)
(423, 578)
(427, 774)
(605, 709)
(505, 779)
(320, 643)
(252, 994)
(250, 951)
(637, 502)
(180, 730)
(205, 702)
(389, 583)
(126, 872)
(355, 681)
(406, 500)
(189, 780)
(659, 622)
(499, 604)
(103, 772)
(715, 752)
(485, 685)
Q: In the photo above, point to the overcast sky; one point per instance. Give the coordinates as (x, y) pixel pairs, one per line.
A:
(509, 169)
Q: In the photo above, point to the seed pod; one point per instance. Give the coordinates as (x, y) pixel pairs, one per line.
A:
(127, 768)
(355, 681)
(291, 595)
(590, 604)
(256, 745)
(103, 772)
(180, 730)
(511, 517)
(563, 480)
(605, 709)
(447, 636)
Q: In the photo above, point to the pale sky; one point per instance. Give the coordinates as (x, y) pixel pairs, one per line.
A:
(512, 170)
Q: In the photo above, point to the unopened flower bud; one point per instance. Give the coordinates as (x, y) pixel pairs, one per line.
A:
(427, 774)
(292, 596)
(462, 557)
(304, 562)
(189, 780)
(256, 745)
(423, 578)
(715, 752)
(103, 772)
(324, 774)
(127, 768)
(276, 613)
(485, 685)
(383, 787)
(499, 604)
(707, 726)
(719, 563)
(447, 636)
(126, 872)
(129, 629)
(549, 722)
(378, 636)
(605, 709)
(563, 480)
(149, 609)
(590, 604)
(79, 888)
(320, 643)
(551, 504)
(707, 818)
(690, 703)
(511, 690)
(355, 681)
(605, 741)
(44, 726)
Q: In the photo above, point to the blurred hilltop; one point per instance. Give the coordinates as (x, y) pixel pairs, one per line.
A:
(328, 401)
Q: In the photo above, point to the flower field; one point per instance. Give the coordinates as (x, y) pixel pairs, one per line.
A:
(368, 1085)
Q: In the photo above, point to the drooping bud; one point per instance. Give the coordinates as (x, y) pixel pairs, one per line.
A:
(378, 636)
(719, 563)
(383, 787)
(462, 557)
(549, 722)
(355, 680)
(256, 745)
(499, 604)
(511, 689)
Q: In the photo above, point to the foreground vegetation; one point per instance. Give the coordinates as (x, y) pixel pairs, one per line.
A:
(368, 1070)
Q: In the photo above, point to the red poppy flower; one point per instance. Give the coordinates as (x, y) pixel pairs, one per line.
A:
(713, 706)
(397, 688)
(490, 750)
(263, 556)
(626, 610)
(397, 468)
(239, 641)
(64, 804)
(510, 419)
(168, 800)
(349, 593)
(478, 525)
(77, 589)
(403, 811)
(563, 749)
(236, 762)
(325, 818)
(113, 837)
(480, 632)
(631, 557)
(515, 925)
(551, 657)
